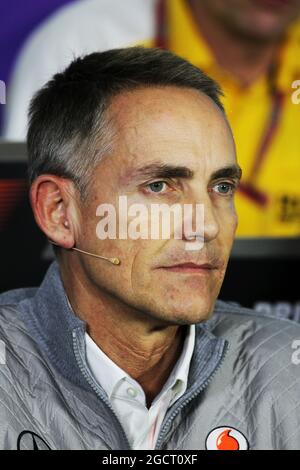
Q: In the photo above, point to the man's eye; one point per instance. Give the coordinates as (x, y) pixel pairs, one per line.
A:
(225, 188)
(157, 186)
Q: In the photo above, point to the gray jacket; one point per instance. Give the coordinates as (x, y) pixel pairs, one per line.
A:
(242, 376)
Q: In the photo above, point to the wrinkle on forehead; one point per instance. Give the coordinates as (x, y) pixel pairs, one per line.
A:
(131, 109)
(169, 124)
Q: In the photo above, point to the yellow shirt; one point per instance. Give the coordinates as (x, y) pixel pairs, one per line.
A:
(277, 211)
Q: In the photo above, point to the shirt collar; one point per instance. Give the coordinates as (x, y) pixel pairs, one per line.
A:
(105, 371)
(109, 374)
(177, 381)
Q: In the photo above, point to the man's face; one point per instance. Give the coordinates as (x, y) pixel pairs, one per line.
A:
(170, 144)
(256, 19)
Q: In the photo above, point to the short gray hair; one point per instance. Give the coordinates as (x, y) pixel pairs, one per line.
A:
(69, 130)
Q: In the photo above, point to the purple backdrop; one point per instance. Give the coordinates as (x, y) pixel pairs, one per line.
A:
(18, 18)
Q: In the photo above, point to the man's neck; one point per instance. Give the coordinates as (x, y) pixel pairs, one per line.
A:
(144, 348)
(244, 58)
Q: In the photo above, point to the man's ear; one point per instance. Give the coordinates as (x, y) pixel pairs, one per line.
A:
(53, 203)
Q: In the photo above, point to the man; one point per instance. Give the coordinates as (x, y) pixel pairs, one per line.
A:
(119, 347)
(250, 46)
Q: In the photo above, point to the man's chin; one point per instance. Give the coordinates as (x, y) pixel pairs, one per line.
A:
(183, 315)
(263, 29)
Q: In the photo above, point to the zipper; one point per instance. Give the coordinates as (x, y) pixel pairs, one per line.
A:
(90, 380)
(188, 400)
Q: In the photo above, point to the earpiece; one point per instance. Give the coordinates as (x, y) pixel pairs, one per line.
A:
(115, 261)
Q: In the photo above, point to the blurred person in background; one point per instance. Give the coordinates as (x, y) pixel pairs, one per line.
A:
(252, 47)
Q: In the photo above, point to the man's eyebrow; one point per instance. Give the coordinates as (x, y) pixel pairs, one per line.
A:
(162, 170)
(233, 171)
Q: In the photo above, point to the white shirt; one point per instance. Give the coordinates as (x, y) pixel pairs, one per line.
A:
(142, 425)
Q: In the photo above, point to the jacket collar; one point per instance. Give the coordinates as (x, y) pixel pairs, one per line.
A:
(51, 322)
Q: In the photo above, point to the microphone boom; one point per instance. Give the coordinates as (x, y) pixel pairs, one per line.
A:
(115, 261)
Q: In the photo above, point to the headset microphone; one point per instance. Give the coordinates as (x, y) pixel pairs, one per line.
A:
(111, 260)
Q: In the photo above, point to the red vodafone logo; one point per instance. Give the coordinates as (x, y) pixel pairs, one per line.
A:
(226, 438)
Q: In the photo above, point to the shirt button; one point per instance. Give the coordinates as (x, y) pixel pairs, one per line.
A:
(132, 392)
(176, 388)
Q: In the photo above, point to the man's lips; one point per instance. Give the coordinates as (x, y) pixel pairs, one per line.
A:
(191, 268)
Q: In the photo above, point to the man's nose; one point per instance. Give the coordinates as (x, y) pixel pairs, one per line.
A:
(201, 220)
(211, 223)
